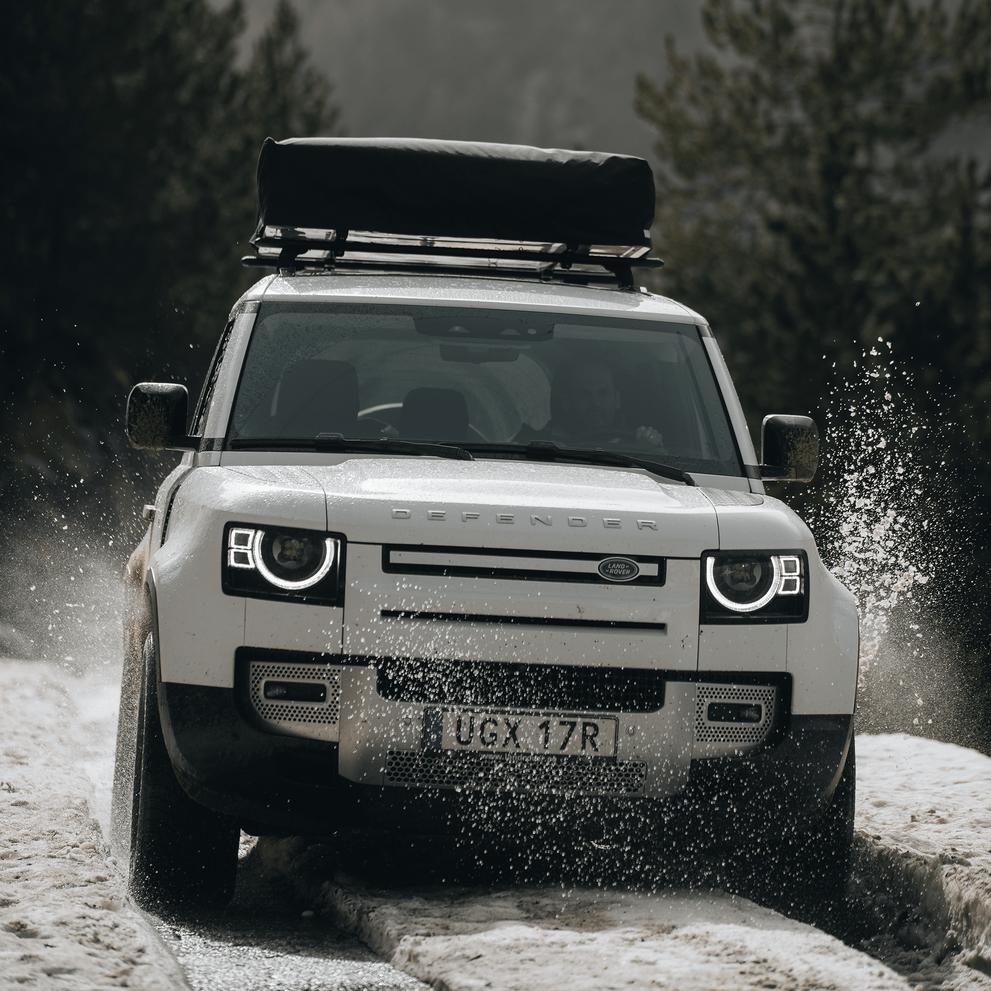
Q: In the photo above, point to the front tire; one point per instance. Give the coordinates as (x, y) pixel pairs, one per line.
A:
(181, 852)
(815, 865)
(835, 835)
(797, 866)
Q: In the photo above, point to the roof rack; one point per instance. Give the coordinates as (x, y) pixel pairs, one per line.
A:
(416, 205)
(292, 250)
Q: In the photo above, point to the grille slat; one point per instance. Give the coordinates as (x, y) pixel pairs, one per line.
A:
(548, 622)
(515, 773)
(493, 684)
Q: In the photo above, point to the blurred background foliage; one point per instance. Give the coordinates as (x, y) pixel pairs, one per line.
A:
(128, 141)
(807, 200)
(822, 199)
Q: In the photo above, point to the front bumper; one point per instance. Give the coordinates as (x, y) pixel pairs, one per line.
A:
(378, 773)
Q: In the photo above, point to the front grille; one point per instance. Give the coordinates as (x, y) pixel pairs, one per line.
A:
(717, 738)
(520, 686)
(320, 718)
(520, 565)
(515, 773)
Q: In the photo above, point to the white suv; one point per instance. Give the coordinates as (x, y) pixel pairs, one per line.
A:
(460, 515)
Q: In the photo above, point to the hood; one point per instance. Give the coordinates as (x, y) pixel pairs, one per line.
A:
(495, 504)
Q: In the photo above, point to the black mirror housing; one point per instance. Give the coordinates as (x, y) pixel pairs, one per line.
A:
(156, 417)
(789, 448)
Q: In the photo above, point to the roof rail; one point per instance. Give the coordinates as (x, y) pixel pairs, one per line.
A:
(292, 250)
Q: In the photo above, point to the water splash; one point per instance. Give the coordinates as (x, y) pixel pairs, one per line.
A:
(879, 548)
(883, 532)
(61, 594)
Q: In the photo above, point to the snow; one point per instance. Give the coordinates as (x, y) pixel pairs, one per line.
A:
(925, 809)
(66, 922)
(589, 940)
(65, 919)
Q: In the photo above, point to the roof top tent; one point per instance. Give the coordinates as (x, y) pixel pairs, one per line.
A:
(403, 204)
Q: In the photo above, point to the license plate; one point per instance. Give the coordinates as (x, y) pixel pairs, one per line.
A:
(500, 732)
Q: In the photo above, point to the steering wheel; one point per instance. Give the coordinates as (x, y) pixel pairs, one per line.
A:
(613, 436)
(372, 426)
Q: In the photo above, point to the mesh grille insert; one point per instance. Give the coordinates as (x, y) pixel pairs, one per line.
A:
(515, 773)
(287, 714)
(739, 734)
(520, 686)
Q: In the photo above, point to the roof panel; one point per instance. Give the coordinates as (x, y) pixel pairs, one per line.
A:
(485, 293)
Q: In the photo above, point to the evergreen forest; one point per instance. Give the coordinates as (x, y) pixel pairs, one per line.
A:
(824, 199)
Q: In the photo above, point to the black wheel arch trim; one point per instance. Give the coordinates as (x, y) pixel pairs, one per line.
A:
(806, 765)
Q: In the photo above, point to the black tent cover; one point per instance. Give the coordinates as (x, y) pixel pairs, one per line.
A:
(456, 189)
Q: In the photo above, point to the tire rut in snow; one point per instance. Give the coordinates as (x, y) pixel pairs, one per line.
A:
(883, 915)
(369, 889)
(267, 938)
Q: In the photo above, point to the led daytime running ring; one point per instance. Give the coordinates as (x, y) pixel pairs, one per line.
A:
(317, 576)
(773, 589)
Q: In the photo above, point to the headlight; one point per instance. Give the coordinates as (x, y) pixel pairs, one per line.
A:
(279, 562)
(754, 586)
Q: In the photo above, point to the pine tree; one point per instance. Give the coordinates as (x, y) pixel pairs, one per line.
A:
(812, 206)
(128, 143)
(806, 203)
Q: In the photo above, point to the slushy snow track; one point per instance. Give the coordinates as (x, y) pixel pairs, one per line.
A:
(64, 919)
(923, 834)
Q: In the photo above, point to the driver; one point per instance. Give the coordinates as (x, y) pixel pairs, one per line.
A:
(585, 405)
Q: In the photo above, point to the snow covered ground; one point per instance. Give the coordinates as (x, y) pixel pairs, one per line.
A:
(924, 815)
(593, 940)
(65, 920)
(923, 838)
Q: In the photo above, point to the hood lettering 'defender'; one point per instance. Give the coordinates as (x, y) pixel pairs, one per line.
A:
(467, 516)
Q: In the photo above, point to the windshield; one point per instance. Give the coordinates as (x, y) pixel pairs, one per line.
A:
(485, 380)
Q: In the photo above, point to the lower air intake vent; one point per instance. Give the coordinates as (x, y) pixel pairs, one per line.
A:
(515, 773)
(732, 718)
(297, 699)
(520, 686)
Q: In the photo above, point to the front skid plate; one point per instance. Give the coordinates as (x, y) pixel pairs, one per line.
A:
(652, 756)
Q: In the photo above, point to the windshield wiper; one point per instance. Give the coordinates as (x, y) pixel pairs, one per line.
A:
(537, 450)
(354, 445)
(545, 450)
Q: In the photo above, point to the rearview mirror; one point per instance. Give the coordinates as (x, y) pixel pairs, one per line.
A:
(789, 448)
(476, 355)
(156, 417)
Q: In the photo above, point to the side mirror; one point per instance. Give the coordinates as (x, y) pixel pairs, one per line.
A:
(789, 448)
(156, 417)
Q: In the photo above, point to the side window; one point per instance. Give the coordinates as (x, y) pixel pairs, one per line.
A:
(206, 395)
